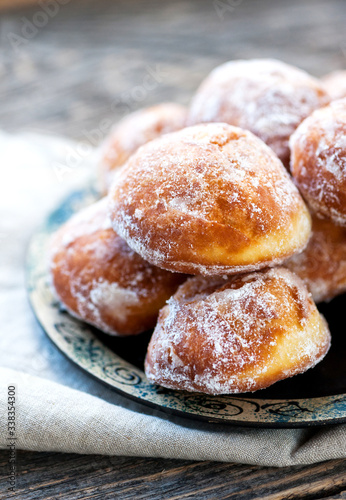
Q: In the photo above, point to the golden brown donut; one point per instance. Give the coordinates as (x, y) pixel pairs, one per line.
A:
(322, 265)
(101, 280)
(133, 131)
(267, 97)
(240, 335)
(335, 84)
(318, 160)
(211, 199)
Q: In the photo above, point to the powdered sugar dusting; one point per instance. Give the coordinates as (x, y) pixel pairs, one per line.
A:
(228, 336)
(86, 222)
(113, 297)
(267, 97)
(318, 160)
(322, 265)
(104, 282)
(133, 131)
(208, 188)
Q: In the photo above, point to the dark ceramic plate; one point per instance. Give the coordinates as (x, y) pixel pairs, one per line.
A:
(314, 398)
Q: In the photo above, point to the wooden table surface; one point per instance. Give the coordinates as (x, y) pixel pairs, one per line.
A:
(64, 71)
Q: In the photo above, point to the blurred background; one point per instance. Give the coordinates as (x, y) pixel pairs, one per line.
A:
(72, 67)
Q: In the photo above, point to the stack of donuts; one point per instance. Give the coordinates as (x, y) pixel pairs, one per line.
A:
(221, 227)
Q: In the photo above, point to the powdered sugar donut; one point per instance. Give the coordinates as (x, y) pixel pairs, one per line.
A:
(335, 84)
(267, 97)
(322, 265)
(240, 335)
(133, 131)
(101, 280)
(318, 160)
(211, 199)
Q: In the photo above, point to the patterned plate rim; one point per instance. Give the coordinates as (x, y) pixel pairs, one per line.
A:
(81, 345)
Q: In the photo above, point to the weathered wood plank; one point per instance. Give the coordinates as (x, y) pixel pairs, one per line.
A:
(85, 63)
(47, 475)
(14, 4)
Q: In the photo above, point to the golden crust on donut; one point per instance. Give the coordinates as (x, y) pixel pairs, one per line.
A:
(267, 97)
(101, 280)
(133, 131)
(211, 199)
(244, 334)
(322, 265)
(318, 160)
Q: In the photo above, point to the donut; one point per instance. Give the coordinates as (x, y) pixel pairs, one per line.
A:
(133, 131)
(318, 160)
(335, 84)
(267, 97)
(322, 265)
(100, 280)
(219, 336)
(210, 199)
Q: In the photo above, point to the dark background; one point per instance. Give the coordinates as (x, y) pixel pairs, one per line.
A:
(89, 62)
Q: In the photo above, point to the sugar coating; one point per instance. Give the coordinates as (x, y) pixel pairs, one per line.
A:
(194, 200)
(322, 265)
(318, 160)
(267, 97)
(133, 131)
(103, 281)
(227, 336)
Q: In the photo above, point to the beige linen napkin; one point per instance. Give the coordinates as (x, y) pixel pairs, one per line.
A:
(60, 408)
(50, 416)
